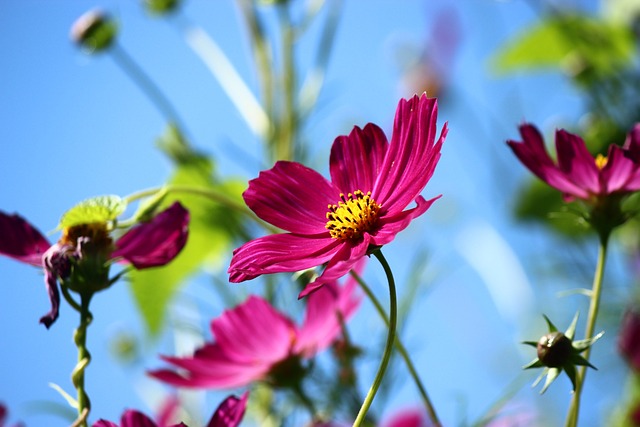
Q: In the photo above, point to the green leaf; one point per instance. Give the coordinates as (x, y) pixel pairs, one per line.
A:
(212, 228)
(97, 209)
(568, 40)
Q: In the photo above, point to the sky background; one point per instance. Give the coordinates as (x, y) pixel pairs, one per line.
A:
(75, 126)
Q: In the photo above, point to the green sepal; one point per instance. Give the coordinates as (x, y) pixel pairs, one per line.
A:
(101, 209)
(551, 377)
(571, 330)
(582, 345)
(531, 343)
(552, 327)
(570, 369)
(535, 363)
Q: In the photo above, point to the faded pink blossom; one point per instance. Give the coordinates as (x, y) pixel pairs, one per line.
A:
(255, 342)
(336, 223)
(146, 245)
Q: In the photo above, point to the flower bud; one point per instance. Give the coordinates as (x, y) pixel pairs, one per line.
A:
(554, 349)
(629, 339)
(94, 31)
(161, 7)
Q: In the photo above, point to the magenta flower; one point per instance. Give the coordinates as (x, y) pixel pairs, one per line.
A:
(229, 414)
(577, 174)
(255, 342)
(338, 222)
(629, 338)
(82, 253)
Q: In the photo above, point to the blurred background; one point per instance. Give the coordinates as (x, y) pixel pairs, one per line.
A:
(479, 268)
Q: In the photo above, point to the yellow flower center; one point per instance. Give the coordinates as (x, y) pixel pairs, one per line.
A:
(356, 214)
(601, 161)
(96, 232)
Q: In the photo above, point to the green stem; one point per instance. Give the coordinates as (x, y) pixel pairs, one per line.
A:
(209, 193)
(596, 291)
(84, 357)
(306, 401)
(391, 336)
(402, 350)
(153, 92)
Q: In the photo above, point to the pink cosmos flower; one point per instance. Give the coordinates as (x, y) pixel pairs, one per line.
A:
(338, 222)
(146, 245)
(577, 174)
(255, 342)
(4, 414)
(229, 414)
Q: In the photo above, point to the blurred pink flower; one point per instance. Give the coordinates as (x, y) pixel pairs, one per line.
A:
(629, 339)
(228, 414)
(146, 245)
(4, 414)
(255, 342)
(338, 222)
(413, 417)
(577, 174)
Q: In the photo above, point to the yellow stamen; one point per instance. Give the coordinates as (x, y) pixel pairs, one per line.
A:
(356, 214)
(601, 161)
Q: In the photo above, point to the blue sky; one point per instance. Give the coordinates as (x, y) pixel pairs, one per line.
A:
(76, 126)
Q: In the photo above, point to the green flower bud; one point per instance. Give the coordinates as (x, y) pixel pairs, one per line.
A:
(161, 7)
(554, 349)
(94, 31)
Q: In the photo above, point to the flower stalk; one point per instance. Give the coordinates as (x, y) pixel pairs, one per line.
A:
(84, 357)
(391, 338)
(596, 291)
(433, 416)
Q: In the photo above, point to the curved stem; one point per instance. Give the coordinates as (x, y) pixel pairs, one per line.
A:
(153, 92)
(308, 403)
(391, 336)
(84, 357)
(402, 350)
(596, 291)
(208, 193)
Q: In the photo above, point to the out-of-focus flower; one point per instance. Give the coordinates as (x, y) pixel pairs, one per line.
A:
(338, 222)
(228, 414)
(94, 30)
(412, 417)
(4, 414)
(629, 339)
(577, 174)
(81, 259)
(255, 342)
(557, 352)
(162, 7)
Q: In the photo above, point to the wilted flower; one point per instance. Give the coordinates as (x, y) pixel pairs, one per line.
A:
(338, 222)
(80, 260)
(577, 174)
(558, 352)
(254, 342)
(228, 414)
(629, 339)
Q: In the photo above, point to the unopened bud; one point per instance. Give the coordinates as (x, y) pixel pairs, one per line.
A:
(94, 31)
(554, 349)
(161, 7)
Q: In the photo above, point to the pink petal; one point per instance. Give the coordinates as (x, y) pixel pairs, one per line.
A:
(132, 418)
(20, 240)
(532, 153)
(326, 309)
(249, 339)
(157, 242)
(618, 172)
(266, 333)
(168, 411)
(292, 197)
(356, 159)
(392, 225)
(412, 155)
(576, 162)
(230, 412)
(278, 253)
(632, 144)
(414, 417)
(341, 263)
